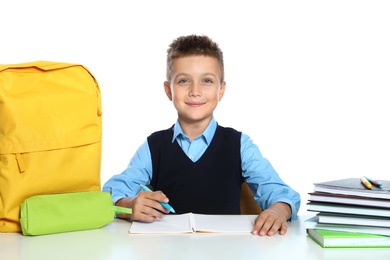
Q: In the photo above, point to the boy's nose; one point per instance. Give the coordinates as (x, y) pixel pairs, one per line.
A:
(196, 90)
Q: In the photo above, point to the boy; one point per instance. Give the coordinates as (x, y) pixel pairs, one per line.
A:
(196, 165)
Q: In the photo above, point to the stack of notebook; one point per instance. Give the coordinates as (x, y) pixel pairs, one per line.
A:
(350, 214)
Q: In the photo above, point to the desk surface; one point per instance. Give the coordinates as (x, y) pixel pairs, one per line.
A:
(114, 242)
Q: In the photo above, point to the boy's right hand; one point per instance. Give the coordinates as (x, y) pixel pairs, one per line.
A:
(145, 206)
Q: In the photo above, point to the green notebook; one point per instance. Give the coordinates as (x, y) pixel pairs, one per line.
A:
(333, 238)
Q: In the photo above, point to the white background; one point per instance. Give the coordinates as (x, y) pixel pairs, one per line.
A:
(307, 80)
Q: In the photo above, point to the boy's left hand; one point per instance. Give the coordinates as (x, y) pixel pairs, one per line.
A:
(272, 219)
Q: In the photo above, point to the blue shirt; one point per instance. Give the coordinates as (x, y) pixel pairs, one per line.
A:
(257, 171)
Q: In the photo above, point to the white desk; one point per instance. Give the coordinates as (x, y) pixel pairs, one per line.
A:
(114, 242)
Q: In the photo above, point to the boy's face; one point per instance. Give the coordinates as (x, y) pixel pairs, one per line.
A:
(195, 88)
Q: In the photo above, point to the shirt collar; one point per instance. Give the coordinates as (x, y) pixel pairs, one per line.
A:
(207, 134)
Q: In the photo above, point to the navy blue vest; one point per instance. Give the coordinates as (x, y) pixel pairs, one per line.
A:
(211, 185)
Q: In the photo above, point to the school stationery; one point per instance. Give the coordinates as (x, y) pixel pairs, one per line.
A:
(57, 213)
(330, 238)
(374, 182)
(348, 199)
(366, 183)
(350, 219)
(347, 209)
(190, 223)
(165, 205)
(313, 223)
(354, 186)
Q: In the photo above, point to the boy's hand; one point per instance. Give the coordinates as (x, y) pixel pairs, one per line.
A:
(145, 206)
(272, 219)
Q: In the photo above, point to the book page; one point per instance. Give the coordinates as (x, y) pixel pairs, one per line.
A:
(172, 223)
(223, 223)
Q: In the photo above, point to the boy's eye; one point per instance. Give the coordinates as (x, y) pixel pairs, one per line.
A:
(208, 81)
(183, 81)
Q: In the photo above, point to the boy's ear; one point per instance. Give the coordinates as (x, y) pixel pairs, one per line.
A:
(167, 89)
(222, 90)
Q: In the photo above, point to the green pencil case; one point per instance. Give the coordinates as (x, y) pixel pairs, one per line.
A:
(57, 213)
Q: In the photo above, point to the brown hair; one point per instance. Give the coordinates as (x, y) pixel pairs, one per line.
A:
(193, 45)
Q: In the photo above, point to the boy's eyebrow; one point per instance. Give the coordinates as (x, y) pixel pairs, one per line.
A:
(209, 74)
(182, 74)
(203, 75)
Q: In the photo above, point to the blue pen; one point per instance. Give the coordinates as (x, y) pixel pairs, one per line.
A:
(374, 182)
(164, 204)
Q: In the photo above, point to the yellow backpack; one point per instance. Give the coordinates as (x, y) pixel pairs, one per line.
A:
(50, 133)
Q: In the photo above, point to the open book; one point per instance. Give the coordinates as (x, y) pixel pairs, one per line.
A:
(190, 222)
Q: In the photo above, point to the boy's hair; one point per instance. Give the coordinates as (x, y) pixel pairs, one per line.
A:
(193, 45)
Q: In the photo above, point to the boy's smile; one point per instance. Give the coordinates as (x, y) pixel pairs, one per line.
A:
(195, 104)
